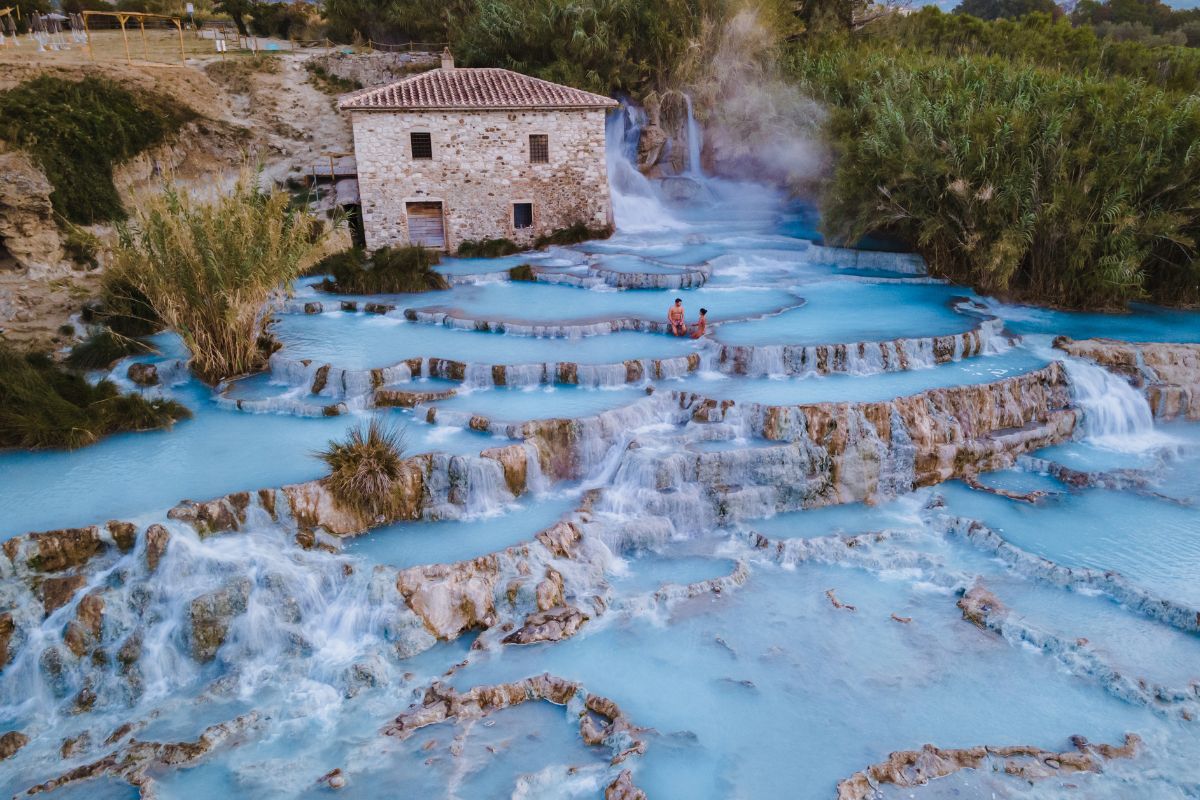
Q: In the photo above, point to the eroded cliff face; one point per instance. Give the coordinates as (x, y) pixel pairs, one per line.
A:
(1168, 373)
(28, 233)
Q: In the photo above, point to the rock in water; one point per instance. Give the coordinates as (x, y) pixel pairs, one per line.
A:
(10, 743)
(210, 616)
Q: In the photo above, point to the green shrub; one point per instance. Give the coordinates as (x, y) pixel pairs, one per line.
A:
(104, 349)
(43, 405)
(364, 468)
(389, 270)
(1074, 190)
(573, 234)
(78, 131)
(207, 270)
(327, 82)
(522, 272)
(487, 248)
(81, 246)
(124, 309)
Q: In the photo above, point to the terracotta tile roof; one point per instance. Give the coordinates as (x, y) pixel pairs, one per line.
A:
(471, 89)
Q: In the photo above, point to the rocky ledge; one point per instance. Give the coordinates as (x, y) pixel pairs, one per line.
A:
(1167, 373)
(601, 721)
(917, 767)
(136, 761)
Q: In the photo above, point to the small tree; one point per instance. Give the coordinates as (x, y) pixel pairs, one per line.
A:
(207, 270)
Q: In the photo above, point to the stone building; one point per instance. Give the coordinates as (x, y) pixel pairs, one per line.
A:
(452, 155)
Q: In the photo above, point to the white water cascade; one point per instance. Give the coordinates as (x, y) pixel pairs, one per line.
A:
(693, 135)
(637, 207)
(1115, 415)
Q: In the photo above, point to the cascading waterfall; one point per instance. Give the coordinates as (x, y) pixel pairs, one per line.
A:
(693, 134)
(1115, 415)
(637, 207)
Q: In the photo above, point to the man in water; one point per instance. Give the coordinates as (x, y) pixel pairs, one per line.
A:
(700, 324)
(675, 323)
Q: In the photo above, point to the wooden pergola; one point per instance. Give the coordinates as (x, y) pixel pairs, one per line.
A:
(125, 16)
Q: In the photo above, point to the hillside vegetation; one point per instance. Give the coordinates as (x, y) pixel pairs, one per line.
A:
(77, 131)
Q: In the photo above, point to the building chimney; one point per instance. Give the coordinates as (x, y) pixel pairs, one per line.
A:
(447, 59)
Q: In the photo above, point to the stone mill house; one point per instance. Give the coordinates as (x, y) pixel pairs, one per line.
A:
(452, 155)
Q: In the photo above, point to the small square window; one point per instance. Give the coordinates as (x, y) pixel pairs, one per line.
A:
(539, 148)
(422, 145)
(522, 215)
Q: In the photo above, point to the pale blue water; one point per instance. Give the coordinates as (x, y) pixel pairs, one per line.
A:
(364, 341)
(406, 544)
(1152, 542)
(865, 388)
(540, 402)
(852, 312)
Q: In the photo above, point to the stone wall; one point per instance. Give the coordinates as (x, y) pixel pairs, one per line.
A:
(480, 167)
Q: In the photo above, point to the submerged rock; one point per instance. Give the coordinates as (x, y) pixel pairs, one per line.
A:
(210, 615)
(623, 789)
(10, 743)
(143, 374)
(157, 539)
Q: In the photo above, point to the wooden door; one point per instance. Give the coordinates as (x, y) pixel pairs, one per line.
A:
(425, 226)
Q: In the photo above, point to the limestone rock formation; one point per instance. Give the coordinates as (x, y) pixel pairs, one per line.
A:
(157, 539)
(143, 374)
(977, 604)
(551, 625)
(27, 228)
(133, 762)
(622, 788)
(918, 767)
(601, 721)
(210, 615)
(10, 743)
(66, 548)
(1168, 373)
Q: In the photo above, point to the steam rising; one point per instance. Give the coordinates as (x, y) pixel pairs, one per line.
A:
(756, 124)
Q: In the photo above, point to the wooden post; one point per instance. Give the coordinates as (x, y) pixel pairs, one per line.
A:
(122, 18)
(145, 47)
(88, 35)
(179, 28)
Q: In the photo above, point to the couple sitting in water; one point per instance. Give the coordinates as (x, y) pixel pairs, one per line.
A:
(676, 324)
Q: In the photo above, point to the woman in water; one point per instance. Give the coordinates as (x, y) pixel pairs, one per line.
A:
(701, 324)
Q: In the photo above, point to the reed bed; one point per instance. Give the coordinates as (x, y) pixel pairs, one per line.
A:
(208, 269)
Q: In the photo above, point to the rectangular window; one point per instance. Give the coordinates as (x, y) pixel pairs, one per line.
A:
(539, 148)
(522, 215)
(422, 145)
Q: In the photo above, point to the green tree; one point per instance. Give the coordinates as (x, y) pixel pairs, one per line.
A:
(237, 10)
(1006, 9)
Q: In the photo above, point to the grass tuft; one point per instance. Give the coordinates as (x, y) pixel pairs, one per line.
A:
(572, 234)
(389, 270)
(487, 248)
(522, 272)
(43, 405)
(103, 350)
(364, 468)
